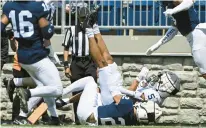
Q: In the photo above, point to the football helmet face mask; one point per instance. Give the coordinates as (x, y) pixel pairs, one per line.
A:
(166, 83)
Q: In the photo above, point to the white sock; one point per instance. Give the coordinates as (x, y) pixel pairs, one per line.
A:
(89, 32)
(26, 82)
(96, 29)
(50, 101)
(18, 82)
(23, 114)
(77, 85)
(46, 91)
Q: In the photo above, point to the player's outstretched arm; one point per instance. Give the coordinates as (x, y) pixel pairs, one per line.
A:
(4, 22)
(181, 5)
(47, 28)
(140, 77)
(168, 36)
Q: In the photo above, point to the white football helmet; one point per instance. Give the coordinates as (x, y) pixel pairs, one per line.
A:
(166, 83)
(147, 112)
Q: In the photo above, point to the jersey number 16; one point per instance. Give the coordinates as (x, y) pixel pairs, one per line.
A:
(22, 24)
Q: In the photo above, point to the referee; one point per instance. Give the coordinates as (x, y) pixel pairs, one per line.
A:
(76, 46)
(77, 43)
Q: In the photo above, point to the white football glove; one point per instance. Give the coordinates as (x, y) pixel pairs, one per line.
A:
(89, 32)
(169, 12)
(153, 48)
(143, 74)
(96, 29)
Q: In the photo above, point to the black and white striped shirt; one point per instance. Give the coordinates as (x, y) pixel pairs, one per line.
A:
(76, 41)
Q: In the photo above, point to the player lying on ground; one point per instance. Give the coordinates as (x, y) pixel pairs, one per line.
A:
(122, 111)
(156, 87)
(32, 55)
(153, 88)
(187, 23)
(149, 93)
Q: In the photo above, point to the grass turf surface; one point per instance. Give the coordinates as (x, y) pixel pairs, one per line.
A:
(83, 126)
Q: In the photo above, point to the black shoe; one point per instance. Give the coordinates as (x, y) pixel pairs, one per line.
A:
(45, 118)
(54, 121)
(21, 121)
(24, 95)
(60, 103)
(10, 86)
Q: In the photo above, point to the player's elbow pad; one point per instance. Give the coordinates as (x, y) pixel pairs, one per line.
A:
(170, 34)
(3, 26)
(47, 31)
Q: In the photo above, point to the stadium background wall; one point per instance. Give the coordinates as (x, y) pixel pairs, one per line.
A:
(186, 108)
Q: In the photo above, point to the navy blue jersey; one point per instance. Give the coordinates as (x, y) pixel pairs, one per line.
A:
(117, 114)
(186, 21)
(24, 17)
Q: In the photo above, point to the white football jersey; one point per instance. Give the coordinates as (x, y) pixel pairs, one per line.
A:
(150, 94)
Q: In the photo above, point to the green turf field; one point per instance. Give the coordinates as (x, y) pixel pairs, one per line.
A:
(82, 126)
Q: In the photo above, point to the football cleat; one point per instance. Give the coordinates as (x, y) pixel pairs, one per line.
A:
(54, 121)
(24, 97)
(21, 121)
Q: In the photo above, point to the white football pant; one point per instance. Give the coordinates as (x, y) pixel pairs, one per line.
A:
(88, 102)
(197, 41)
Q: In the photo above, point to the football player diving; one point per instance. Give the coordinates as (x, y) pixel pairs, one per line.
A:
(185, 21)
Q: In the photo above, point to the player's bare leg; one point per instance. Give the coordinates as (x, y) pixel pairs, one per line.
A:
(101, 44)
(105, 74)
(116, 75)
(96, 54)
